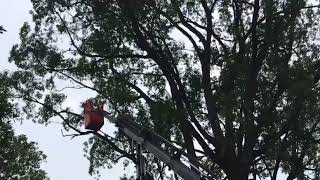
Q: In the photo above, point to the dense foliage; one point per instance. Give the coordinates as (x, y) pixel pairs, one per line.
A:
(19, 158)
(234, 83)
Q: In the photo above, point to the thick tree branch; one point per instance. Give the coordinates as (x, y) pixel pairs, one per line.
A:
(141, 41)
(187, 25)
(136, 88)
(184, 32)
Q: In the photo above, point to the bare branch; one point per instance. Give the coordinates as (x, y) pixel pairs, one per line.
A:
(77, 134)
(69, 87)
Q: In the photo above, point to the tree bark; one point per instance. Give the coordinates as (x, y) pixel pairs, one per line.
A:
(239, 172)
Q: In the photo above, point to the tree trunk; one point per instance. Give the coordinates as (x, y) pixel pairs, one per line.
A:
(291, 176)
(238, 172)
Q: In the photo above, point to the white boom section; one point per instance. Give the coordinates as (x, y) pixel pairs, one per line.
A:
(154, 143)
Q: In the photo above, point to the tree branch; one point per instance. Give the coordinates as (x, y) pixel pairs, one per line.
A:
(136, 88)
(114, 146)
(83, 53)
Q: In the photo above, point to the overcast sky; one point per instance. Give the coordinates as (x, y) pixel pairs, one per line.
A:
(65, 159)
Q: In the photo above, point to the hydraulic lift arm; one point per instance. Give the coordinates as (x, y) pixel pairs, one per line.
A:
(160, 148)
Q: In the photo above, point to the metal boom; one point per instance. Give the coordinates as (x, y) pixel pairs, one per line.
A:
(160, 148)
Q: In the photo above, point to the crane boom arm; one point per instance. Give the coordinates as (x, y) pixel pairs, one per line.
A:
(155, 144)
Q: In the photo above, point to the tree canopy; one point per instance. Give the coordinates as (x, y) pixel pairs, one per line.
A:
(233, 83)
(19, 158)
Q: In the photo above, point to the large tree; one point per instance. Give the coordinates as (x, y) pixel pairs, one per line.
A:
(20, 159)
(233, 83)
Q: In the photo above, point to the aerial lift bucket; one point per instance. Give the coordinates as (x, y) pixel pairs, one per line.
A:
(93, 118)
